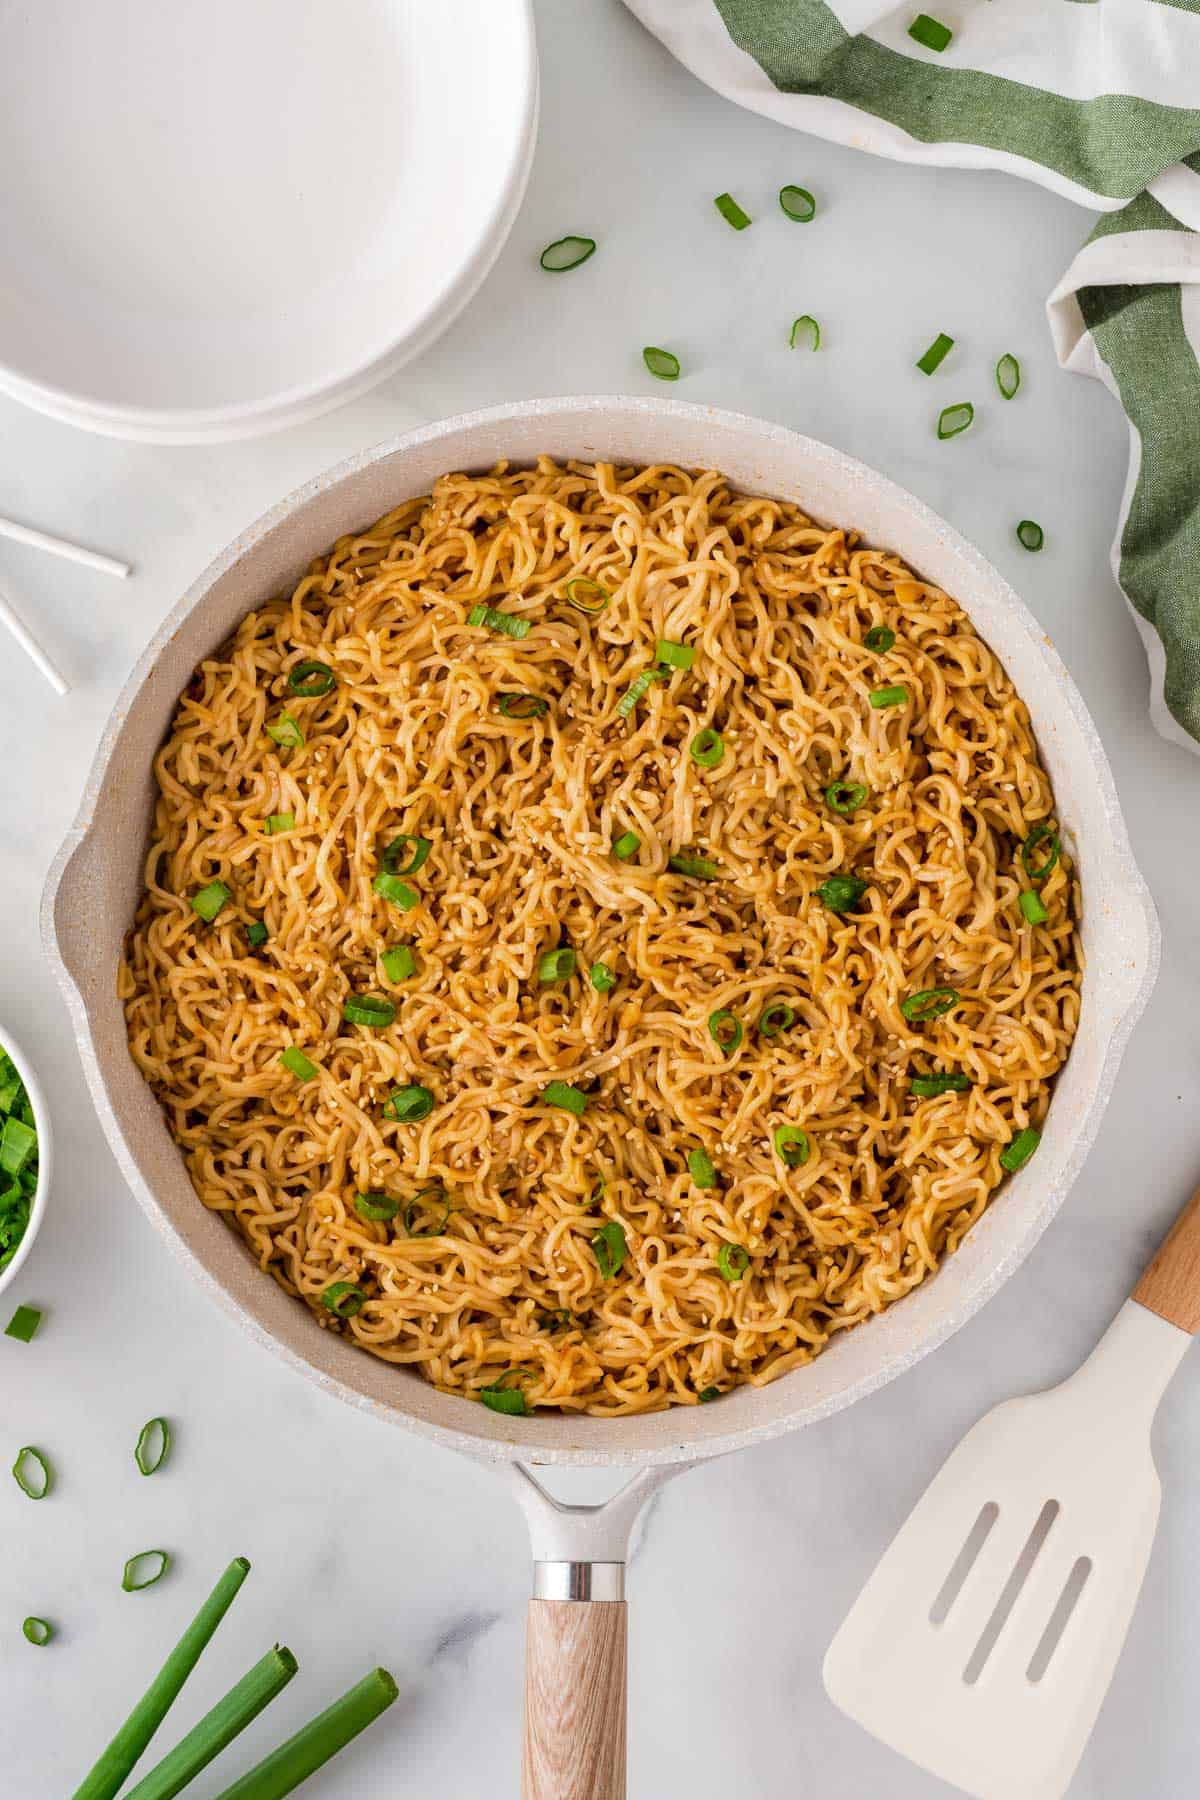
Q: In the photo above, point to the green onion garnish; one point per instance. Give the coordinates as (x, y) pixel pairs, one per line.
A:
(343, 1299)
(1031, 905)
(556, 965)
(888, 696)
(775, 1017)
(725, 1030)
(209, 901)
(566, 253)
(558, 1320)
(805, 322)
(845, 796)
(522, 706)
(37, 1631)
(953, 420)
(311, 679)
(561, 1093)
(408, 1104)
(218, 1728)
(297, 1064)
(797, 203)
(602, 977)
(399, 963)
(791, 1145)
(930, 32)
(314, 1744)
(1030, 535)
(926, 1087)
(702, 1169)
(707, 1394)
(610, 1248)
(287, 733)
(641, 684)
(625, 846)
(1008, 375)
(707, 748)
(376, 1207)
(153, 1446)
(279, 822)
(675, 656)
(936, 354)
(663, 363)
(426, 1201)
(144, 1569)
(1040, 834)
(1019, 1151)
(880, 639)
(731, 212)
(18, 1142)
(32, 1473)
(256, 934)
(506, 623)
(396, 892)
(23, 1324)
(397, 850)
(700, 868)
(733, 1260)
(842, 893)
(930, 1003)
(586, 596)
(503, 1399)
(375, 1010)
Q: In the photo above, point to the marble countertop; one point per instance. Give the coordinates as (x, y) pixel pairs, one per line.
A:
(373, 1546)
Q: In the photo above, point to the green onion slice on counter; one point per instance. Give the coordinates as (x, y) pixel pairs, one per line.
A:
(1041, 834)
(144, 1569)
(508, 624)
(426, 1203)
(845, 797)
(1019, 1151)
(725, 1030)
(641, 684)
(256, 934)
(673, 655)
(702, 1169)
(311, 679)
(791, 1145)
(880, 638)
(374, 1010)
(731, 212)
(398, 963)
(888, 696)
(1030, 535)
(23, 1324)
(389, 887)
(153, 1446)
(930, 32)
(522, 706)
(209, 901)
(286, 732)
(625, 846)
(602, 977)
(37, 1631)
(797, 203)
(930, 1003)
(776, 1016)
(566, 253)
(610, 1248)
(376, 1207)
(842, 893)
(556, 965)
(707, 748)
(936, 354)
(504, 1399)
(925, 1087)
(733, 1261)
(343, 1299)
(805, 322)
(954, 420)
(586, 596)
(1031, 906)
(700, 868)
(32, 1473)
(277, 822)
(1008, 375)
(416, 849)
(297, 1064)
(408, 1104)
(570, 1099)
(707, 1394)
(662, 363)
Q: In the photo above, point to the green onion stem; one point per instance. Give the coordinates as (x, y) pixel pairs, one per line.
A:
(936, 354)
(731, 212)
(282, 1772)
(218, 1728)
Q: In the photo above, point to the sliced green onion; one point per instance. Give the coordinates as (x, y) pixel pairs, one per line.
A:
(791, 1145)
(566, 253)
(702, 1169)
(343, 1299)
(561, 1093)
(625, 846)
(396, 851)
(1008, 375)
(953, 420)
(586, 596)
(18, 1142)
(508, 624)
(311, 679)
(314, 1744)
(23, 1324)
(256, 934)
(399, 963)
(930, 32)
(297, 1064)
(408, 1104)
(707, 1394)
(218, 1728)
(602, 978)
(1030, 535)
(725, 1030)
(926, 1087)
(279, 822)
(143, 1570)
(153, 1446)
(287, 733)
(1031, 905)
(842, 893)
(775, 1017)
(1040, 834)
(888, 696)
(641, 684)
(731, 212)
(503, 1399)
(930, 1003)
(880, 638)
(32, 1473)
(733, 1260)
(558, 1320)
(610, 1248)
(805, 322)
(396, 892)
(556, 965)
(662, 363)
(1019, 1151)
(522, 706)
(707, 748)
(209, 901)
(376, 1207)
(845, 796)
(375, 1010)
(426, 1201)
(797, 203)
(675, 656)
(37, 1631)
(700, 868)
(936, 354)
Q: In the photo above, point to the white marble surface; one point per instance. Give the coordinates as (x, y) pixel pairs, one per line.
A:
(373, 1546)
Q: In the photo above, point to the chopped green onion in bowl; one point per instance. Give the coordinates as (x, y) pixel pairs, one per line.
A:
(24, 1162)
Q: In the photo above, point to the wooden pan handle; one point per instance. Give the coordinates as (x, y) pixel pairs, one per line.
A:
(575, 1659)
(1170, 1286)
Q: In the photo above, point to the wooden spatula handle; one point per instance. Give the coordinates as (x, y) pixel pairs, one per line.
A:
(1170, 1286)
(575, 1655)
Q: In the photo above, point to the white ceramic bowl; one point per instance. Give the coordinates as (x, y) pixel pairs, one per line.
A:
(222, 220)
(41, 1119)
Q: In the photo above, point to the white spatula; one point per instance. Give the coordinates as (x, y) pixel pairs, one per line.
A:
(984, 1643)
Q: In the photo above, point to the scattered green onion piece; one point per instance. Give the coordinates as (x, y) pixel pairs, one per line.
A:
(375, 1010)
(209, 901)
(35, 1485)
(775, 1017)
(311, 679)
(700, 868)
(396, 850)
(842, 893)
(287, 733)
(625, 846)
(256, 934)
(506, 623)
(930, 32)
(558, 1320)
(662, 363)
(343, 1299)
(399, 963)
(396, 892)
(37, 1631)
(926, 1087)
(134, 1579)
(733, 1260)
(797, 203)
(283, 1771)
(1040, 834)
(522, 706)
(707, 748)
(426, 1200)
(675, 656)
(880, 639)
(805, 322)
(556, 965)
(602, 978)
(953, 420)
(1030, 535)
(279, 822)
(566, 253)
(218, 1728)
(23, 1324)
(707, 1394)
(888, 696)
(586, 596)
(1019, 1151)
(725, 1030)
(610, 1248)
(153, 1446)
(702, 1169)
(845, 797)
(408, 1104)
(376, 1207)
(930, 1003)
(731, 212)
(792, 1145)
(112, 1771)
(510, 1400)
(297, 1064)
(561, 1093)
(936, 354)
(1031, 906)
(1008, 375)
(641, 684)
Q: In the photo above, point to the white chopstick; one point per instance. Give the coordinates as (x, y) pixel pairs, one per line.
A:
(32, 648)
(42, 540)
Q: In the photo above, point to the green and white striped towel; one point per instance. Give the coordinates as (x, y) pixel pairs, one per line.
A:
(1119, 131)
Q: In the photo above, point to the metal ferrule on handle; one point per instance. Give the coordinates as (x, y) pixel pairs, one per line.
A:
(604, 1581)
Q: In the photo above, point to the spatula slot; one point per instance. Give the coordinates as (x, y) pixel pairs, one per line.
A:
(1022, 1569)
(1060, 1618)
(963, 1563)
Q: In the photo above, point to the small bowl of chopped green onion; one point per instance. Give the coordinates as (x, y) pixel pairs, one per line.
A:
(24, 1158)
